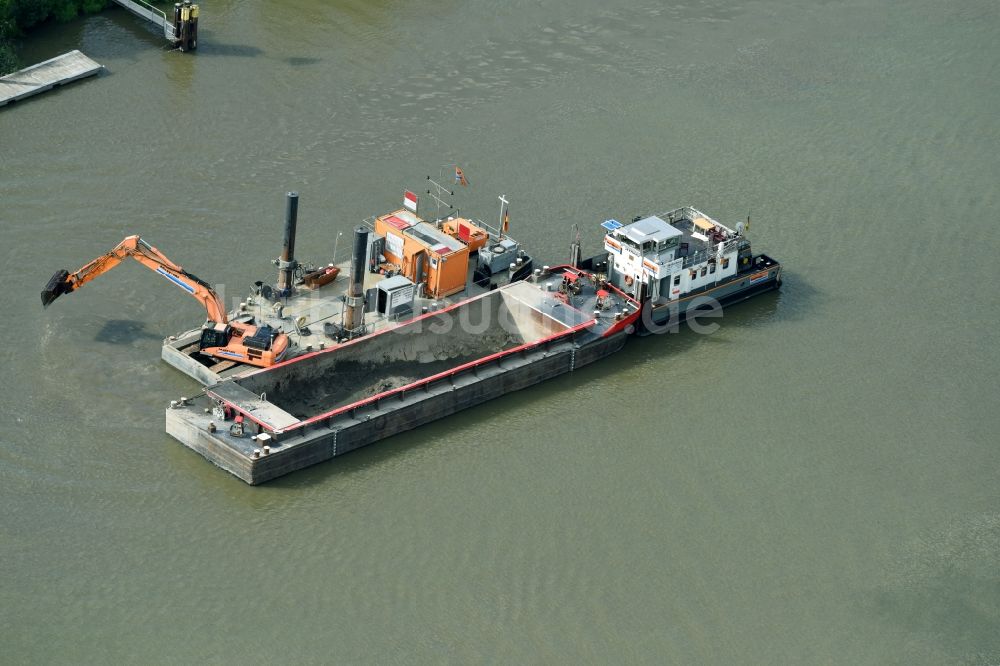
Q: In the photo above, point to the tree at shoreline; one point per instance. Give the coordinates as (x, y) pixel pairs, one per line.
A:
(18, 16)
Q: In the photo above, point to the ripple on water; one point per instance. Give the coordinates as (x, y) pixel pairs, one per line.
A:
(944, 589)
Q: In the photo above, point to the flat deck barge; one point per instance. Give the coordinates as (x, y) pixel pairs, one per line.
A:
(266, 423)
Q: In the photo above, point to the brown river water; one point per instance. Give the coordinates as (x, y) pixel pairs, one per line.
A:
(816, 482)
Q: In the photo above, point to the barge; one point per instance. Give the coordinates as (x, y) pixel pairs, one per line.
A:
(267, 423)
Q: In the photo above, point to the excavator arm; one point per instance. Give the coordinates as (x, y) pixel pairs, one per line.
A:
(64, 282)
(234, 342)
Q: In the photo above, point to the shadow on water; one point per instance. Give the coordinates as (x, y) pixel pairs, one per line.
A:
(207, 47)
(798, 297)
(296, 61)
(124, 331)
(220, 49)
(146, 36)
(759, 310)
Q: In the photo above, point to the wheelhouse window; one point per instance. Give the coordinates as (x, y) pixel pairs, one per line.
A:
(628, 242)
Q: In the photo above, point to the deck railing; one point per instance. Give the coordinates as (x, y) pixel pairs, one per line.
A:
(144, 10)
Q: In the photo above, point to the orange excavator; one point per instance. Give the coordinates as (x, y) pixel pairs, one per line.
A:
(233, 341)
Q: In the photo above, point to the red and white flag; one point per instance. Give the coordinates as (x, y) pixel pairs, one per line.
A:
(410, 200)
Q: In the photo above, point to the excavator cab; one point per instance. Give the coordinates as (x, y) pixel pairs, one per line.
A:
(260, 338)
(242, 341)
(215, 335)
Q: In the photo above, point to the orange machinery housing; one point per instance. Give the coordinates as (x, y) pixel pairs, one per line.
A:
(415, 245)
(465, 231)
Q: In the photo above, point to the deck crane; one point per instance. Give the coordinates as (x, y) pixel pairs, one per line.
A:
(229, 340)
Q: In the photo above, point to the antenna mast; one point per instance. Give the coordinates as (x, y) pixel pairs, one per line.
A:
(437, 193)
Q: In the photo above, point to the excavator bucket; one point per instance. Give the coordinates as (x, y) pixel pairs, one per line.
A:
(57, 286)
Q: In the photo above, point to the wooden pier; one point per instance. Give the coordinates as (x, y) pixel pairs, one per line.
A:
(46, 75)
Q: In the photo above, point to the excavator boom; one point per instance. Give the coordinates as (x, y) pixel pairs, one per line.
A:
(64, 282)
(237, 341)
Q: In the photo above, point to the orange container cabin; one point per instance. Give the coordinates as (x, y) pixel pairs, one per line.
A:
(416, 246)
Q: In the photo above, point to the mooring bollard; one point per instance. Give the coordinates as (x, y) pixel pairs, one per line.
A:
(186, 25)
